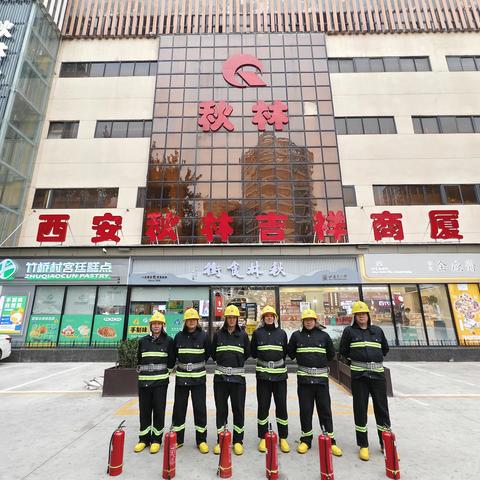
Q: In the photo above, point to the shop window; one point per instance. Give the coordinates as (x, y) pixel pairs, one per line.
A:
(408, 315)
(332, 304)
(44, 321)
(465, 301)
(109, 315)
(76, 326)
(437, 315)
(377, 298)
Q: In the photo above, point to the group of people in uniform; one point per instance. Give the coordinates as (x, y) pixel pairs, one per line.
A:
(363, 345)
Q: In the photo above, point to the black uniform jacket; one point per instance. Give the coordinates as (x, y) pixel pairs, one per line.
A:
(191, 348)
(230, 350)
(152, 353)
(312, 349)
(269, 344)
(364, 346)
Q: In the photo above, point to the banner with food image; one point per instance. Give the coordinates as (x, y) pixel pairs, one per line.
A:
(43, 328)
(108, 328)
(75, 328)
(138, 325)
(12, 313)
(465, 299)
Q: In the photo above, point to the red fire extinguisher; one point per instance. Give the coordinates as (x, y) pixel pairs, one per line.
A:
(325, 449)
(392, 467)
(271, 460)
(169, 455)
(115, 451)
(224, 469)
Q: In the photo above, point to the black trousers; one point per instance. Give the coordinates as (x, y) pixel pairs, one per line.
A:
(199, 394)
(236, 392)
(362, 387)
(265, 390)
(310, 395)
(152, 400)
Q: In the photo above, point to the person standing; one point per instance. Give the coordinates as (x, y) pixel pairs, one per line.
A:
(364, 346)
(156, 358)
(230, 349)
(192, 349)
(269, 347)
(313, 348)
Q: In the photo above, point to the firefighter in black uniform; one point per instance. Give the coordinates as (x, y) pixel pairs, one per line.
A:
(313, 348)
(269, 347)
(230, 349)
(192, 349)
(364, 345)
(156, 358)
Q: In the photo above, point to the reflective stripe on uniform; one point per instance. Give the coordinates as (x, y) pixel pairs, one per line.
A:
(270, 347)
(361, 429)
(331, 434)
(365, 344)
(238, 429)
(272, 370)
(282, 422)
(262, 422)
(383, 429)
(195, 351)
(178, 429)
(361, 369)
(191, 374)
(307, 434)
(145, 432)
(311, 350)
(200, 429)
(154, 354)
(231, 348)
(317, 375)
(164, 376)
(157, 432)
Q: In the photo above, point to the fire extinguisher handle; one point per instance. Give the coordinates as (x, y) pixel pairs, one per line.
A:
(121, 425)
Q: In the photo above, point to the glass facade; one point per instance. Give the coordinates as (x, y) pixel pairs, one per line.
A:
(245, 172)
(22, 124)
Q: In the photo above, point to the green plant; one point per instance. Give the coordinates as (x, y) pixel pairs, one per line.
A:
(127, 353)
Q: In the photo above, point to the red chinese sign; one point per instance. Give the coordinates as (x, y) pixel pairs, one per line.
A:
(387, 225)
(216, 226)
(106, 226)
(52, 228)
(334, 225)
(444, 224)
(214, 115)
(271, 227)
(160, 226)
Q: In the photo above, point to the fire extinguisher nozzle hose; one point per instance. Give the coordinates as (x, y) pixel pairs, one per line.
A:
(121, 424)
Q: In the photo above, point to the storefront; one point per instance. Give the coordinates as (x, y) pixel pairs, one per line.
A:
(417, 299)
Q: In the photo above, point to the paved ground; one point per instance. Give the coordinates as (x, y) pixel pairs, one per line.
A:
(52, 427)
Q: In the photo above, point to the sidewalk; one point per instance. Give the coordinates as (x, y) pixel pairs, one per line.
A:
(51, 427)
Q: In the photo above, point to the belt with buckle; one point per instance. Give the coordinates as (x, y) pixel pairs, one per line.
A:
(190, 367)
(368, 365)
(271, 364)
(230, 370)
(314, 371)
(152, 367)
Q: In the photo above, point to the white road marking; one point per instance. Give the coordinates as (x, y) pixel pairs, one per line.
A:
(437, 395)
(49, 392)
(44, 378)
(423, 370)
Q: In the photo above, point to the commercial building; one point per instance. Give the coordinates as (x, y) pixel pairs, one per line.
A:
(200, 153)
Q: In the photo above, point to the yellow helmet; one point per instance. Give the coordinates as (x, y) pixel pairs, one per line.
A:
(309, 313)
(231, 311)
(268, 309)
(191, 313)
(360, 307)
(157, 317)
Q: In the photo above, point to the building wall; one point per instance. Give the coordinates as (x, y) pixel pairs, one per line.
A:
(407, 158)
(88, 162)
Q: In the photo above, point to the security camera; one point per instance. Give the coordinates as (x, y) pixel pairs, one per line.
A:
(104, 250)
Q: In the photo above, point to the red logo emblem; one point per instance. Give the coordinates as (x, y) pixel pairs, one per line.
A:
(232, 66)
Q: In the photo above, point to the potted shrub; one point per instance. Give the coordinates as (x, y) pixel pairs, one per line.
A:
(122, 380)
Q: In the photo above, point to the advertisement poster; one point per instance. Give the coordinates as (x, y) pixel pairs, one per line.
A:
(138, 325)
(12, 314)
(108, 328)
(75, 328)
(466, 310)
(174, 323)
(43, 328)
